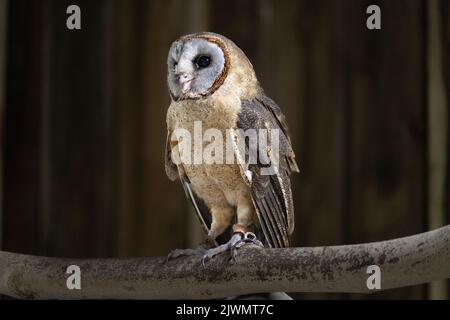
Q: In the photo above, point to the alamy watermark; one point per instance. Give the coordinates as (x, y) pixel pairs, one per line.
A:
(73, 282)
(244, 147)
(374, 280)
(73, 21)
(373, 22)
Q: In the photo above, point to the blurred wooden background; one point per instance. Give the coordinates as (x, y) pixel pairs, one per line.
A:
(83, 121)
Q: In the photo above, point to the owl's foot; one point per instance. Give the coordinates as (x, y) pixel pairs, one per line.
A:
(237, 240)
(199, 251)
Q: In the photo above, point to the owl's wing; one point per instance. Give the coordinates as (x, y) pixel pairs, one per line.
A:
(171, 168)
(271, 193)
(281, 120)
(174, 172)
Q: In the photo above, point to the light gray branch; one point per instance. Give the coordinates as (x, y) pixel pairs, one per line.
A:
(404, 262)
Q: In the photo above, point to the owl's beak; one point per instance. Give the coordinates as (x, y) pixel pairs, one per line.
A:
(185, 80)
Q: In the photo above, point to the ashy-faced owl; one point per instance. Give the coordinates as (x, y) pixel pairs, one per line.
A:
(213, 86)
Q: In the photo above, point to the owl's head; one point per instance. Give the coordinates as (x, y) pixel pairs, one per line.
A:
(200, 63)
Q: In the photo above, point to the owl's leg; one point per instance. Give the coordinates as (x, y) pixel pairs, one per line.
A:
(246, 216)
(221, 219)
(241, 235)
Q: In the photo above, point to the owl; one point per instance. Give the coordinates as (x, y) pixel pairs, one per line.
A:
(213, 85)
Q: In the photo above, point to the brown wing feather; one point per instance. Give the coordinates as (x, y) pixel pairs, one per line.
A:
(281, 119)
(271, 195)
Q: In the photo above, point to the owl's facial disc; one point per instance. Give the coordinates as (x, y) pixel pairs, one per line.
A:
(194, 67)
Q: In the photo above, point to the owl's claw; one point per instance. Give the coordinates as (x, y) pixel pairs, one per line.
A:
(230, 245)
(199, 251)
(185, 252)
(237, 240)
(249, 237)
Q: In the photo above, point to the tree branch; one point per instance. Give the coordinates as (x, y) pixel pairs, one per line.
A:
(404, 262)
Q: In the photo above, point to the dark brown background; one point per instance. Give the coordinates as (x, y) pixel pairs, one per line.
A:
(83, 121)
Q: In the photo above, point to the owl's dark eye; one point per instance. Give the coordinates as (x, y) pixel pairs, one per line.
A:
(202, 61)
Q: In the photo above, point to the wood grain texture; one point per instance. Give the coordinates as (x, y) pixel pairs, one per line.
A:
(387, 132)
(82, 204)
(141, 99)
(437, 117)
(445, 33)
(3, 48)
(26, 79)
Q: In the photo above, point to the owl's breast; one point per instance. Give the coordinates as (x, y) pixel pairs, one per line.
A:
(208, 158)
(219, 111)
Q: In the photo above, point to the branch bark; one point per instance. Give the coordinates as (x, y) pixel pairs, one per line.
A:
(404, 262)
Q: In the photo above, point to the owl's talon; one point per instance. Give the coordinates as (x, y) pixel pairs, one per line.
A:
(237, 240)
(204, 260)
(184, 253)
(199, 251)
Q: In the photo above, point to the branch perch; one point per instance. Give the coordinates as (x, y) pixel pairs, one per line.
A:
(404, 262)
